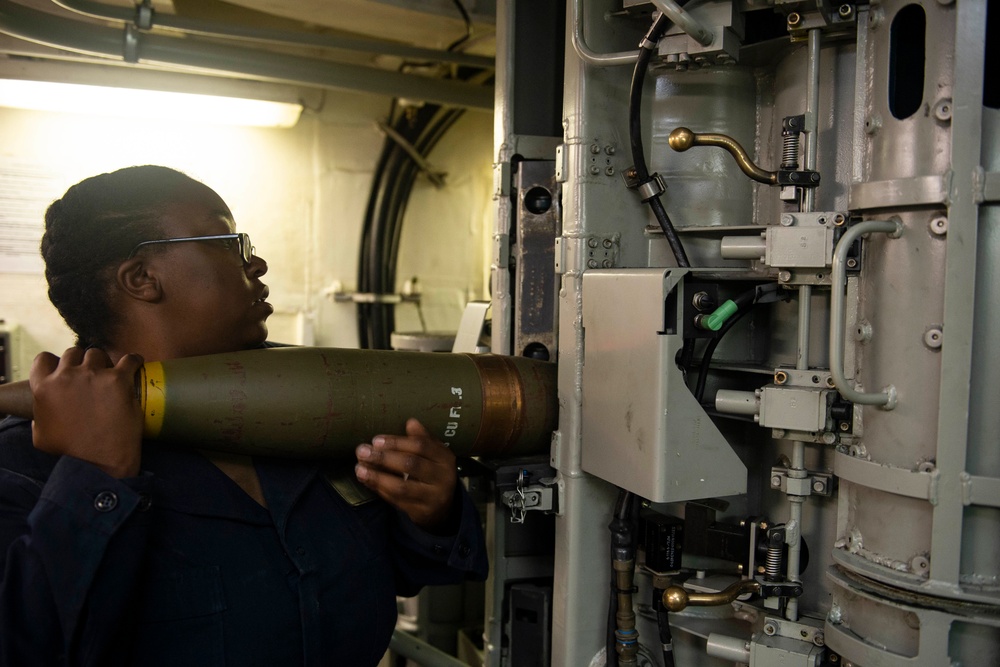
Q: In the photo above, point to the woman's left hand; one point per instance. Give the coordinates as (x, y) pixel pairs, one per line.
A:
(415, 473)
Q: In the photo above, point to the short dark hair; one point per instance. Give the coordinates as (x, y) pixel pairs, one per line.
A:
(90, 231)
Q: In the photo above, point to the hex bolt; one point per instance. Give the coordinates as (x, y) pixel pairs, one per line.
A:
(780, 377)
(787, 219)
(609, 150)
(939, 225)
(595, 149)
(592, 242)
(609, 170)
(592, 264)
(607, 264)
(776, 481)
(784, 276)
(769, 629)
(794, 19)
(607, 243)
(594, 169)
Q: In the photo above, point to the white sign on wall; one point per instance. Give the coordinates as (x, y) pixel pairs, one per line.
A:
(25, 192)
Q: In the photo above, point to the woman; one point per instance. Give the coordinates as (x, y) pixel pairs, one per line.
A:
(118, 553)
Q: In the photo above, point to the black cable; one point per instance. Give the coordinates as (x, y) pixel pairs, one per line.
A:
(744, 304)
(706, 358)
(468, 26)
(635, 137)
(663, 625)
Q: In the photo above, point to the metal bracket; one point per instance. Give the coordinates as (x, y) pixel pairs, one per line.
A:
(527, 497)
(814, 483)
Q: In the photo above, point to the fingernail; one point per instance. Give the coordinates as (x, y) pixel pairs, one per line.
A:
(361, 472)
(378, 441)
(364, 452)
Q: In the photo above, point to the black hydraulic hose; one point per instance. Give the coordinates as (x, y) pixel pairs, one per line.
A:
(663, 625)
(744, 304)
(635, 137)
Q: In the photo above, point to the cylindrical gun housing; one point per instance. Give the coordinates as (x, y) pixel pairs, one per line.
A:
(322, 402)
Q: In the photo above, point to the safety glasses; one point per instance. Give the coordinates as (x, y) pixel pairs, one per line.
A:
(246, 248)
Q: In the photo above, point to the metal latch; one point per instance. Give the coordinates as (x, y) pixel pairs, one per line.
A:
(541, 496)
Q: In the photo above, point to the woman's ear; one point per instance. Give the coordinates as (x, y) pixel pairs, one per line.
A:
(138, 280)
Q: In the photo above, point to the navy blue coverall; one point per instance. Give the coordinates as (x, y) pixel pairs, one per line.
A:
(180, 567)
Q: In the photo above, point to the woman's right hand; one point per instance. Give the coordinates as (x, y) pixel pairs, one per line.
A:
(86, 407)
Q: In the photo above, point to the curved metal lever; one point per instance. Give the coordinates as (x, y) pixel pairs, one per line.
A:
(676, 598)
(682, 139)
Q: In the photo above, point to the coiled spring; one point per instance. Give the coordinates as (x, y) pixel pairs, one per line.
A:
(789, 150)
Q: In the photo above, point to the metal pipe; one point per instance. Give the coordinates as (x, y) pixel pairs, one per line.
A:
(838, 278)
(587, 54)
(685, 21)
(213, 29)
(812, 106)
(682, 139)
(35, 26)
(309, 403)
(733, 649)
(736, 402)
(409, 647)
(797, 470)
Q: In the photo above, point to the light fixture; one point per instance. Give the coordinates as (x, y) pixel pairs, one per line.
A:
(146, 104)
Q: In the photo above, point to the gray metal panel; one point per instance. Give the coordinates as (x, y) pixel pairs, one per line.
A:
(642, 428)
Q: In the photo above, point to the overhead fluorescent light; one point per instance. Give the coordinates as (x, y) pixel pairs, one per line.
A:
(146, 104)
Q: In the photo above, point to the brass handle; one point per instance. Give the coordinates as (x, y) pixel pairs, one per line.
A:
(682, 139)
(676, 598)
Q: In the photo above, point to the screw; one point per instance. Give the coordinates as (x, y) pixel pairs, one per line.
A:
(939, 225)
(819, 486)
(814, 177)
(609, 149)
(609, 170)
(829, 382)
(592, 264)
(794, 19)
(852, 263)
(592, 242)
(784, 276)
(815, 379)
(845, 11)
(775, 481)
(607, 243)
(595, 149)
(839, 219)
(607, 264)
(844, 426)
(769, 629)
(787, 219)
(780, 377)
(594, 169)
